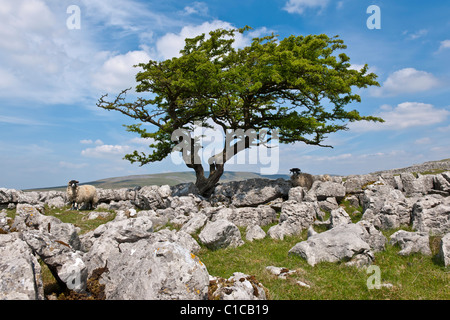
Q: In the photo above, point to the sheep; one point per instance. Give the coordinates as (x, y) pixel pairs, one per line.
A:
(306, 180)
(77, 195)
(301, 179)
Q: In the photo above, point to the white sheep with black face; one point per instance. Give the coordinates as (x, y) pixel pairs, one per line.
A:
(78, 195)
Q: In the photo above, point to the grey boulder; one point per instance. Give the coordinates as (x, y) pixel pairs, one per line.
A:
(294, 218)
(444, 250)
(339, 216)
(220, 234)
(251, 192)
(432, 214)
(247, 216)
(20, 272)
(195, 223)
(153, 197)
(323, 190)
(346, 242)
(386, 207)
(148, 270)
(411, 242)
(66, 264)
(239, 286)
(29, 218)
(254, 233)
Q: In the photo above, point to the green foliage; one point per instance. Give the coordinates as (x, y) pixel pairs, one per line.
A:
(299, 85)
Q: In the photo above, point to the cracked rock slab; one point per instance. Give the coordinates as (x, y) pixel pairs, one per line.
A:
(342, 243)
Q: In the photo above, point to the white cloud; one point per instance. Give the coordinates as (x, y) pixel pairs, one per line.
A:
(334, 158)
(70, 165)
(358, 67)
(444, 44)
(53, 64)
(89, 141)
(142, 141)
(424, 140)
(169, 45)
(417, 34)
(21, 121)
(407, 80)
(199, 8)
(8, 79)
(444, 129)
(118, 73)
(299, 6)
(128, 15)
(106, 150)
(405, 115)
(45, 59)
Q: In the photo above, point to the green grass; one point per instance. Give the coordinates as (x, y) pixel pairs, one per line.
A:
(355, 213)
(78, 218)
(413, 277)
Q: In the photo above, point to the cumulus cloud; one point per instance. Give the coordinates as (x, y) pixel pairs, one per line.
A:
(106, 150)
(118, 73)
(299, 6)
(41, 57)
(169, 45)
(407, 80)
(46, 61)
(405, 115)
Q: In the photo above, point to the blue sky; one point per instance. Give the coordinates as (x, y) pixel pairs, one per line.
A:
(51, 78)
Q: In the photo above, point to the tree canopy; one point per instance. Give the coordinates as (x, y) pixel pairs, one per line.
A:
(298, 86)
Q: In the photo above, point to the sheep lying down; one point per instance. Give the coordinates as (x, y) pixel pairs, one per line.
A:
(80, 196)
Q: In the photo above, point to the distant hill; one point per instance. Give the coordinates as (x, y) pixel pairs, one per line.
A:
(171, 179)
(429, 167)
(174, 178)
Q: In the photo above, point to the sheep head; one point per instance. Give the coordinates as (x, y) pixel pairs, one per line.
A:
(73, 183)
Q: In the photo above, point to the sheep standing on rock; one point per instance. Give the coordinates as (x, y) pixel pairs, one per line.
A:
(301, 179)
(77, 195)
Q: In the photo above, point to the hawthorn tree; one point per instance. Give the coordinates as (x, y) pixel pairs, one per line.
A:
(298, 86)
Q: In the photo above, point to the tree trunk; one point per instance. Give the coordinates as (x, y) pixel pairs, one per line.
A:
(205, 185)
